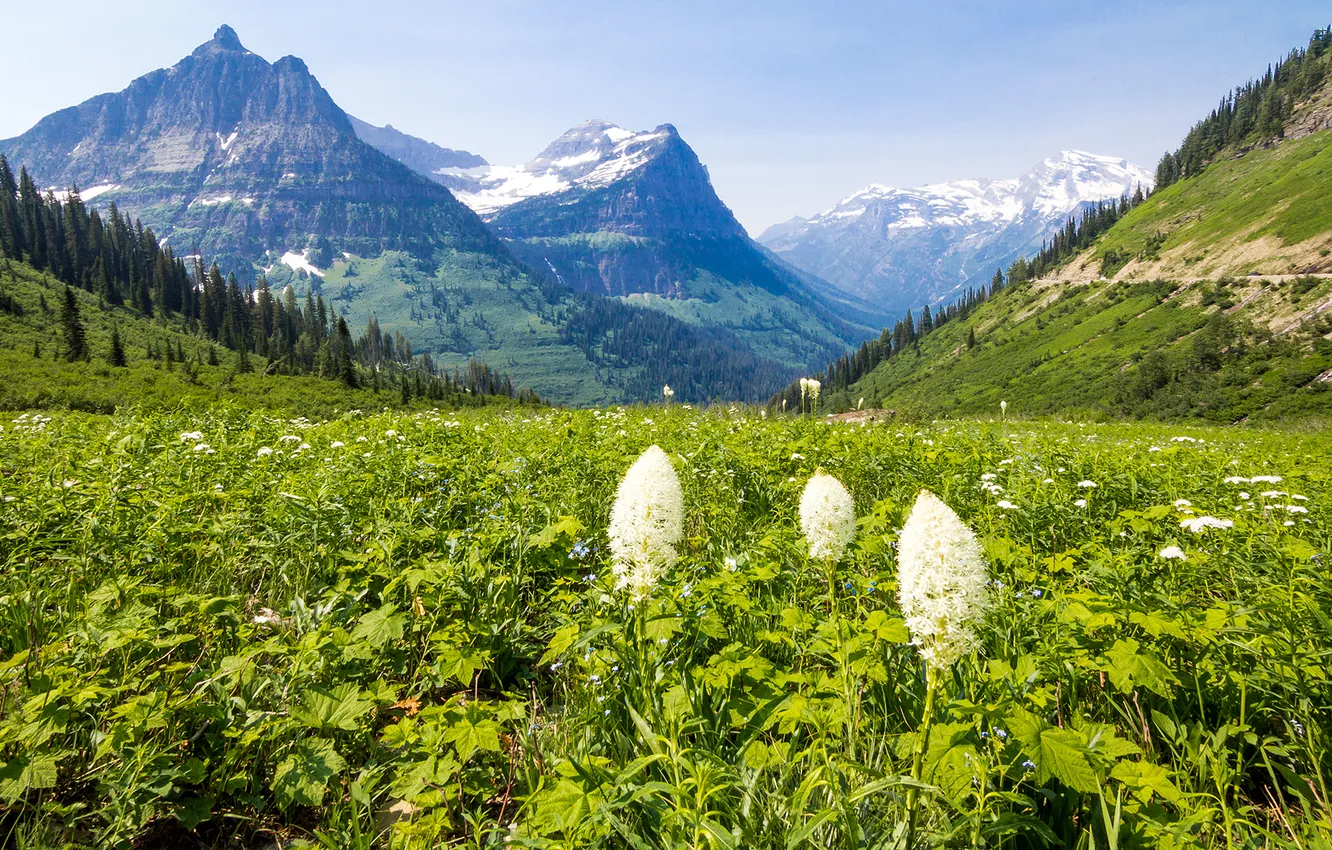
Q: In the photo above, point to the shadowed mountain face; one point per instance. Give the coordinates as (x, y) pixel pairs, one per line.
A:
(230, 155)
(634, 215)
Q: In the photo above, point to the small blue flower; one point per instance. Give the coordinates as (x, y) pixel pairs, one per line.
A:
(1029, 764)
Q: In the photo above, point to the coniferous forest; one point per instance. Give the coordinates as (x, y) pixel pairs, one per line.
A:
(1253, 112)
(123, 264)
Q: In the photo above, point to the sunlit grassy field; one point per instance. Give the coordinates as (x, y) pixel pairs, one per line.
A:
(226, 630)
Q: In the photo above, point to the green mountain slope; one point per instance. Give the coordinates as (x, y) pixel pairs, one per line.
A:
(1249, 191)
(1205, 300)
(167, 366)
(1268, 212)
(1224, 352)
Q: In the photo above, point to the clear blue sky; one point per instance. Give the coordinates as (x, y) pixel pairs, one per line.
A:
(792, 105)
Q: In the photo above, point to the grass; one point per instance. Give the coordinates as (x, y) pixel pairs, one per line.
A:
(1080, 348)
(399, 630)
(460, 307)
(1280, 192)
(49, 381)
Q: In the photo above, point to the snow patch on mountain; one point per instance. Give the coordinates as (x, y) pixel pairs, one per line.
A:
(297, 262)
(592, 155)
(88, 194)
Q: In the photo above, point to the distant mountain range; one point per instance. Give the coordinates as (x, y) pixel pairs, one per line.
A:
(537, 268)
(902, 248)
(253, 165)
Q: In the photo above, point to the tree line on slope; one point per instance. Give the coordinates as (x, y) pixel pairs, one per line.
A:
(1252, 113)
(121, 261)
(895, 341)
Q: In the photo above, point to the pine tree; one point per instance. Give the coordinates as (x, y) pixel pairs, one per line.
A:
(117, 356)
(346, 370)
(971, 337)
(76, 343)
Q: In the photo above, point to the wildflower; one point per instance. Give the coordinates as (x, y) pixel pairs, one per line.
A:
(1265, 479)
(191, 436)
(1081, 503)
(264, 451)
(289, 438)
(827, 516)
(1245, 496)
(1198, 524)
(731, 564)
(1087, 485)
(1003, 408)
(646, 523)
(336, 444)
(1172, 553)
(1006, 505)
(1236, 479)
(667, 393)
(1183, 503)
(941, 581)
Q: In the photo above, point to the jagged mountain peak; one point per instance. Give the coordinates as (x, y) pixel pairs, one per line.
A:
(225, 39)
(591, 155)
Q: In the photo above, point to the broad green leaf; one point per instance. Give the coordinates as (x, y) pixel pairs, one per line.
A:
(1063, 755)
(21, 775)
(302, 778)
(1129, 668)
(336, 709)
(1145, 779)
(380, 626)
(472, 730)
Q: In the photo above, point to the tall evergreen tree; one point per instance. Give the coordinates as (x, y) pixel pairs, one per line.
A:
(76, 342)
(346, 370)
(117, 354)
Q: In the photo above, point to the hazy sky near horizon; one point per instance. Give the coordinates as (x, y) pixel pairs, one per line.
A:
(791, 105)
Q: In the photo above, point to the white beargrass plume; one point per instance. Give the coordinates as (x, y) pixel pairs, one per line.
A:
(646, 523)
(941, 581)
(827, 516)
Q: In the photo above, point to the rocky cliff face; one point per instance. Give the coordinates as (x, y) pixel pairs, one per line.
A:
(902, 248)
(227, 154)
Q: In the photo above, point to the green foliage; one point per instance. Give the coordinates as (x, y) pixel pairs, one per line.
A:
(166, 364)
(1157, 350)
(400, 629)
(1252, 113)
(1280, 192)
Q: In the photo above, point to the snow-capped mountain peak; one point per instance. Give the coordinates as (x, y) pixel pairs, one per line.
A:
(590, 156)
(910, 246)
